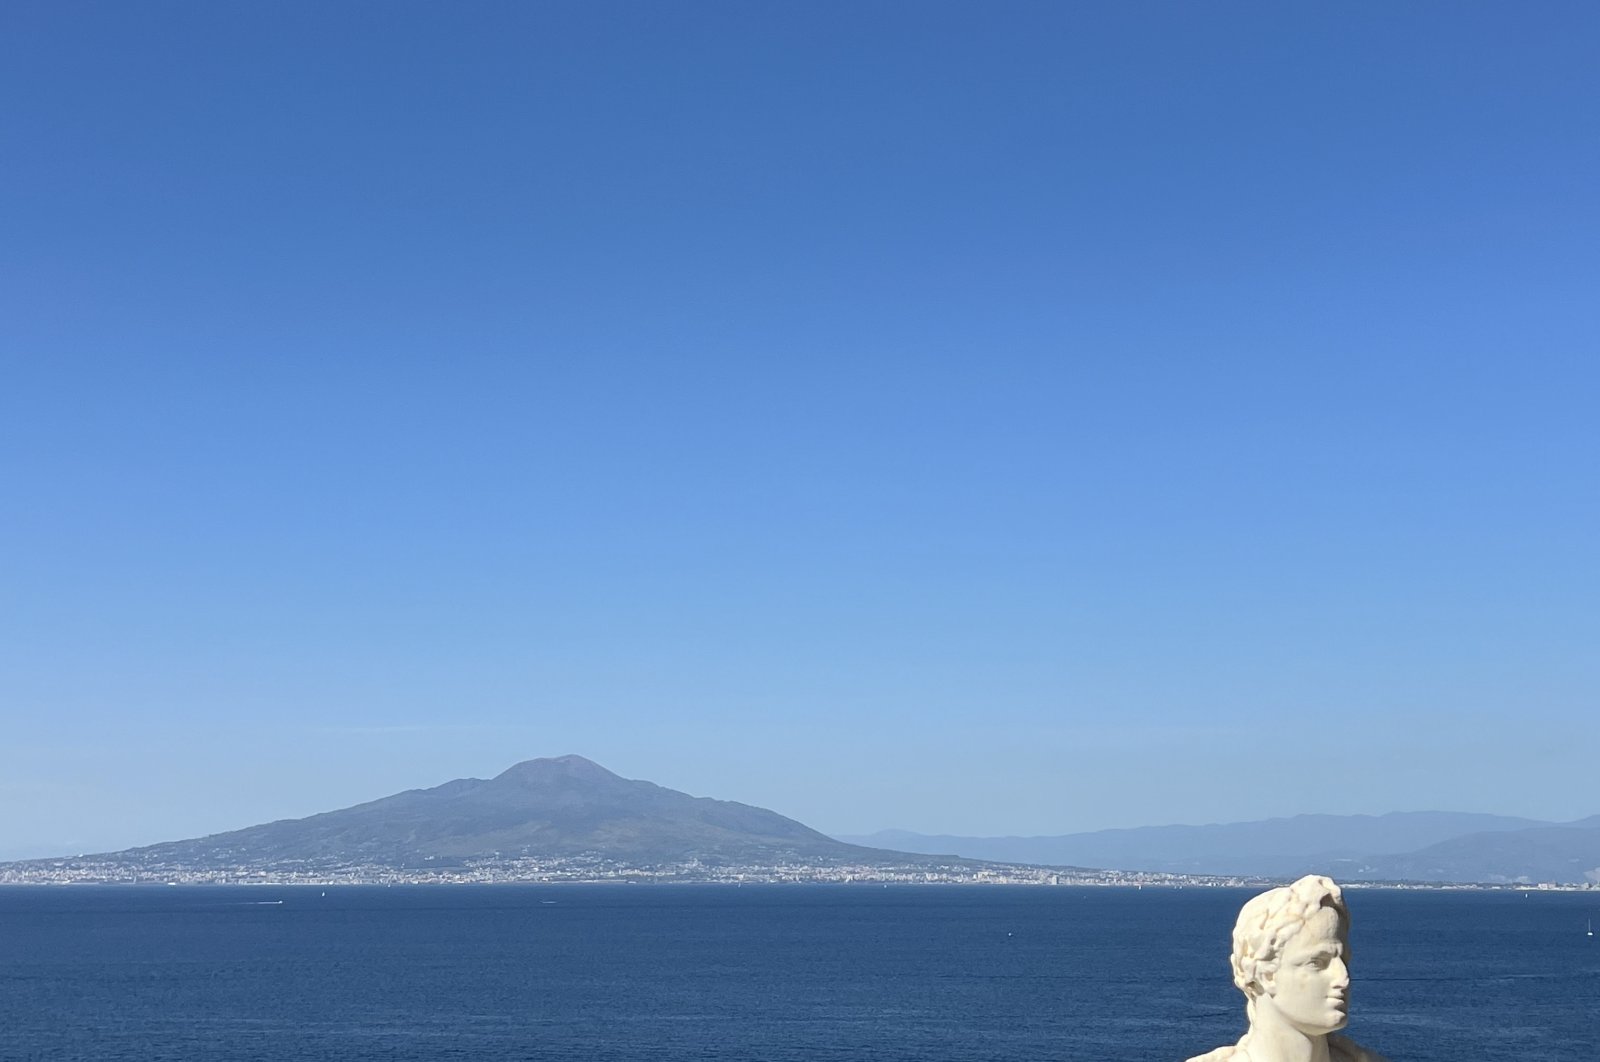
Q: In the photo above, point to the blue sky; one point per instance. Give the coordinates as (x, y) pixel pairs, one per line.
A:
(1012, 418)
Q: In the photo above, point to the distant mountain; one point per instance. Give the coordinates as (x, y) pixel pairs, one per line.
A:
(571, 809)
(1400, 845)
(562, 807)
(1569, 854)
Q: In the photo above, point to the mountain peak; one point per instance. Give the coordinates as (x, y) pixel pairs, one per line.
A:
(552, 768)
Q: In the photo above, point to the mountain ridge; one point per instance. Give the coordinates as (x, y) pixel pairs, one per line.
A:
(1395, 846)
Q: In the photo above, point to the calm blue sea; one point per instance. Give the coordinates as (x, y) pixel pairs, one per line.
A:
(776, 973)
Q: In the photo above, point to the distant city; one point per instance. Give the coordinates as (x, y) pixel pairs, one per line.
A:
(92, 870)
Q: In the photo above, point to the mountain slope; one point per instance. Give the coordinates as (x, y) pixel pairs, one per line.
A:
(1568, 854)
(565, 806)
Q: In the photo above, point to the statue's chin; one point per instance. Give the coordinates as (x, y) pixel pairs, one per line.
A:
(1333, 1022)
(1336, 1021)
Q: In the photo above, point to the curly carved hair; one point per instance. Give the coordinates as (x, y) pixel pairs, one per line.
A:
(1267, 922)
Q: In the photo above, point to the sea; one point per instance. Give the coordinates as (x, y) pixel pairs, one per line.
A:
(755, 973)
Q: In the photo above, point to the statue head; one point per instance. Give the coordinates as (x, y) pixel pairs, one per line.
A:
(1290, 949)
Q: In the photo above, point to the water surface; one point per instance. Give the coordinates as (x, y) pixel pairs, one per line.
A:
(764, 973)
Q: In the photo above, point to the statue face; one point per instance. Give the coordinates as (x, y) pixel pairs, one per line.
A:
(1311, 986)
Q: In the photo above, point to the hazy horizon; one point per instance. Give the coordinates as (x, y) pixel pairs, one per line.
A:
(1016, 420)
(45, 850)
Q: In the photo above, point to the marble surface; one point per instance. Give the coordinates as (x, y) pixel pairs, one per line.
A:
(1291, 954)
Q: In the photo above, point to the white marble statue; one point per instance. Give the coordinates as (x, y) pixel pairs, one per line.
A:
(1291, 952)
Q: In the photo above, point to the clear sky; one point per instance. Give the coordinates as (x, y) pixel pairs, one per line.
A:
(982, 418)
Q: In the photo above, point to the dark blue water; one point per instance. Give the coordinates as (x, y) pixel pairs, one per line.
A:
(773, 973)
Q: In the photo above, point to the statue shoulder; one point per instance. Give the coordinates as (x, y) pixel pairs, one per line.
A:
(1339, 1049)
(1231, 1053)
(1344, 1050)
